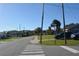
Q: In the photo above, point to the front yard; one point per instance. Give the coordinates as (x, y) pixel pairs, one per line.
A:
(8, 39)
(50, 40)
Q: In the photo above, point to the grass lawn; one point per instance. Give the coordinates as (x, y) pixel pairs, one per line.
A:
(46, 37)
(8, 40)
(50, 40)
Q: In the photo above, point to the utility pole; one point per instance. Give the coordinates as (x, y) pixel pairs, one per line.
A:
(24, 30)
(19, 27)
(42, 24)
(64, 23)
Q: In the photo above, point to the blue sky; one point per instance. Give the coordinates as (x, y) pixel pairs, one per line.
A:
(29, 15)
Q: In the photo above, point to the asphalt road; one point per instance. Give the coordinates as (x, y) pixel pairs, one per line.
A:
(14, 48)
(59, 51)
(26, 47)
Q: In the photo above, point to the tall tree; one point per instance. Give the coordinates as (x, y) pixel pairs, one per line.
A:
(37, 31)
(56, 24)
(49, 31)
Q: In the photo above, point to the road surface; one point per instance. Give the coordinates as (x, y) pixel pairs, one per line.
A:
(14, 48)
(28, 46)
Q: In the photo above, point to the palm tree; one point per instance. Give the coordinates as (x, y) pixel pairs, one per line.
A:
(56, 24)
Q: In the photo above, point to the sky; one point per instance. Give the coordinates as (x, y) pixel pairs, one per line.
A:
(28, 15)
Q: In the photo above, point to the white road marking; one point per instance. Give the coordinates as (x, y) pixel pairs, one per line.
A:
(70, 49)
(32, 48)
(32, 52)
(34, 55)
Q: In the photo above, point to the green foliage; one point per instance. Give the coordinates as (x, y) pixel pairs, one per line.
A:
(50, 40)
(22, 33)
(56, 24)
(46, 37)
(8, 39)
(37, 31)
(49, 31)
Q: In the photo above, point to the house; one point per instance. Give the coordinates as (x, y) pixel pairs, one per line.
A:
(73, 27)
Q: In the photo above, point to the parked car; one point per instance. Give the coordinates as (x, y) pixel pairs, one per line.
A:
(61, 35)
(3, 36)
(75, 35)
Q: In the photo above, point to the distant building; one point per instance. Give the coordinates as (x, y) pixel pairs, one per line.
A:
(72, 27)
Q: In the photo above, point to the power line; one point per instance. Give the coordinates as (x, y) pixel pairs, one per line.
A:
(19, 27)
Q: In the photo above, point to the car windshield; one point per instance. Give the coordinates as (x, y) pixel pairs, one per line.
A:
(75, 31)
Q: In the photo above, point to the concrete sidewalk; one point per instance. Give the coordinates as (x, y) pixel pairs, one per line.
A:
(35, 40)
(33, 49)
